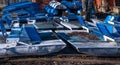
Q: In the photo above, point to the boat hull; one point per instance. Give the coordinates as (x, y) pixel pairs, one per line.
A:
(94, 48)
(97, 48)
(44, 48)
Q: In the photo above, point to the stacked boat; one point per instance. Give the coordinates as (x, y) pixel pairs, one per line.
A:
(24, 31)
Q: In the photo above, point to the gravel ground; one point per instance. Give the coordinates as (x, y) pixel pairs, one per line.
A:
(74, 59)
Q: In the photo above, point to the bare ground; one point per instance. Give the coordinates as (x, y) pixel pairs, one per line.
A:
(64, 59)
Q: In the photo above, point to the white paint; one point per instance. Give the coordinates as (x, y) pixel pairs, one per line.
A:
(66, 25)
(16, 25)
(51, 43)
(9, 45)
(18, 29)
(108, 38)
(54, 4)
(110, 22)
(57, 4)
(87, 30)
(112, 18)
(23, 43)
(69, 31)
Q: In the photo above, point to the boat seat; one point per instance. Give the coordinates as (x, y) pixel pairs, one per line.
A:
(103, 29)
(32, 33)
(109, 19)
(83, 23)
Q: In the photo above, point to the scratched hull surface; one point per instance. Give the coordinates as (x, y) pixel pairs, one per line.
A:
(41, 49)
(46, 46)
(97, 48)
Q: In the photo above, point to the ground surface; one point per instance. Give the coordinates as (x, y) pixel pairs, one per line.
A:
(74, 59)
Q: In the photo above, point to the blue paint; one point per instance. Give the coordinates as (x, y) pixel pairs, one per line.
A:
(51, 10)
(108, 18)
(103, 29)
(81, 20)
(32, 33)
(2, 27)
